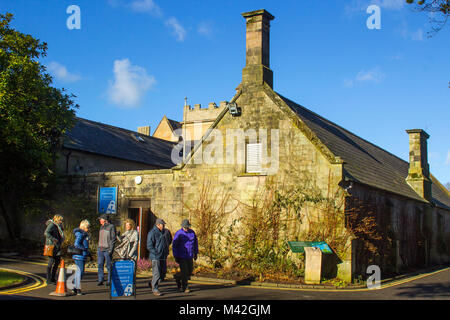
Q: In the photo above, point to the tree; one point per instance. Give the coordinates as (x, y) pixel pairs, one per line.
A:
(33, 119)
(439, 11)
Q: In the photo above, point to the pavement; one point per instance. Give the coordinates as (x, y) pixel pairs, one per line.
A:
(430, 284)
(224, 299)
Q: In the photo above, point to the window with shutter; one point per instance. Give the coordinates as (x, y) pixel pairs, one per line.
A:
(253, 159)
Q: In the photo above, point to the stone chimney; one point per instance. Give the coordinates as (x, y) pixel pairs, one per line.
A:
(257, 68)
(419, 170)
(144, 130)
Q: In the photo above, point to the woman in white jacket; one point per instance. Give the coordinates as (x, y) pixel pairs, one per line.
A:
(128, 247)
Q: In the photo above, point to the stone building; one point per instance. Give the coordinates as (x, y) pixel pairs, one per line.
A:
(262, 139)
(168, 129)
(196, 121)
(96, 147)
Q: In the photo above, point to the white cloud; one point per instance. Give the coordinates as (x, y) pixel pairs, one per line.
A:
(60, 72)
(204, 29)
(448, 158)
(177, 28)
(130, 83)
(348, 83)
(374, 75)
(150, 7)
(418, 35)
(390, 4)
(406, 34)
(146, 6)
(397, 57)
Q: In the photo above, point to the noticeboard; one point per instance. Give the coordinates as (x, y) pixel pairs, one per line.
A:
(299, 246)
(123, 279)
(107, 200)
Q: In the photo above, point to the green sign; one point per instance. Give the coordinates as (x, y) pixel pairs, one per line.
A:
(298, 246)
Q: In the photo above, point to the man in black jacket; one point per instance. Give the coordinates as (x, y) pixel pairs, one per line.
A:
(106, 242)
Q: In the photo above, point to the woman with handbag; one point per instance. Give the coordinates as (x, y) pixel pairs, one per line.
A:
(54, 237)
(81, 252)
(128, 247)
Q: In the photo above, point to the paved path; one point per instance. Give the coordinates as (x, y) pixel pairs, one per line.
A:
(434, 286)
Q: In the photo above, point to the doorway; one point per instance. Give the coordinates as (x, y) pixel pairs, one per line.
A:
(139, 211)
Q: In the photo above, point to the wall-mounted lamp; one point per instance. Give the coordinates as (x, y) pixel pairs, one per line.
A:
(234, 109)
(138, 180)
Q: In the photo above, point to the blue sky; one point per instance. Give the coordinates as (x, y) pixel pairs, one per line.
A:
(132, 62)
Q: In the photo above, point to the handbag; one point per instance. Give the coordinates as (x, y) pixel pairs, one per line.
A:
(74, 250)
(48, 250)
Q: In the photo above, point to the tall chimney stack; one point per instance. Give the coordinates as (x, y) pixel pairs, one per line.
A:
(257, 69)
(419, 170)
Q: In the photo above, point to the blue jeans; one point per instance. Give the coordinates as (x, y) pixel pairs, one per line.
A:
(102, 257)
(159, 269)
(79, 272)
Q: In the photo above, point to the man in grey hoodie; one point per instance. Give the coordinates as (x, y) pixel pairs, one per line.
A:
(106, 242)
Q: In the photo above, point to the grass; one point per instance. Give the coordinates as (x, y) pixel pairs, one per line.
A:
(9, 278)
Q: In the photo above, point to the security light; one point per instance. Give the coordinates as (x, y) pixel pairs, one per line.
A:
(235, 111)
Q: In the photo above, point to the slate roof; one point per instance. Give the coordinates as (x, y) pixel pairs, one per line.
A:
(107, 140)
(174, 124)
(365, 162)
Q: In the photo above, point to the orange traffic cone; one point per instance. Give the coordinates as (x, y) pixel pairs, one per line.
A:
(61, 289)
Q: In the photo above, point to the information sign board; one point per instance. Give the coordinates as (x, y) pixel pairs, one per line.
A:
(298, 246)
(107, 200)
(123, 278)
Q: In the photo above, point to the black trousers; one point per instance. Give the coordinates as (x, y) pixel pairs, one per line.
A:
(52, 267)
(186, 268)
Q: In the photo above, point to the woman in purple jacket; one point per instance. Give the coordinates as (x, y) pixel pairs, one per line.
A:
(185, 250)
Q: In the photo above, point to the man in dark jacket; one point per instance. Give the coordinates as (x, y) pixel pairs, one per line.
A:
(106, 242)
(158, 246)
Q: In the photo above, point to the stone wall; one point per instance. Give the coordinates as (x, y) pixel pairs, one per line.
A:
(413, 234)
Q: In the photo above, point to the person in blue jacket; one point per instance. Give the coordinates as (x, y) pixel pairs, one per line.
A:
(82, 243)
(185, 250)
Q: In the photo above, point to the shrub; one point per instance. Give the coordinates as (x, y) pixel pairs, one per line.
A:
(144, 265)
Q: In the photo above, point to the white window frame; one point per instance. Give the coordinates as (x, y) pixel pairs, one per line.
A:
(253, 158)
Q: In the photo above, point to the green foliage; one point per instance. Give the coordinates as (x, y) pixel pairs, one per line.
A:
(339, 283)
(209, 215)
(33, 119)
(288, 213)
(255, 241)
(9, 278)
(252, 237)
